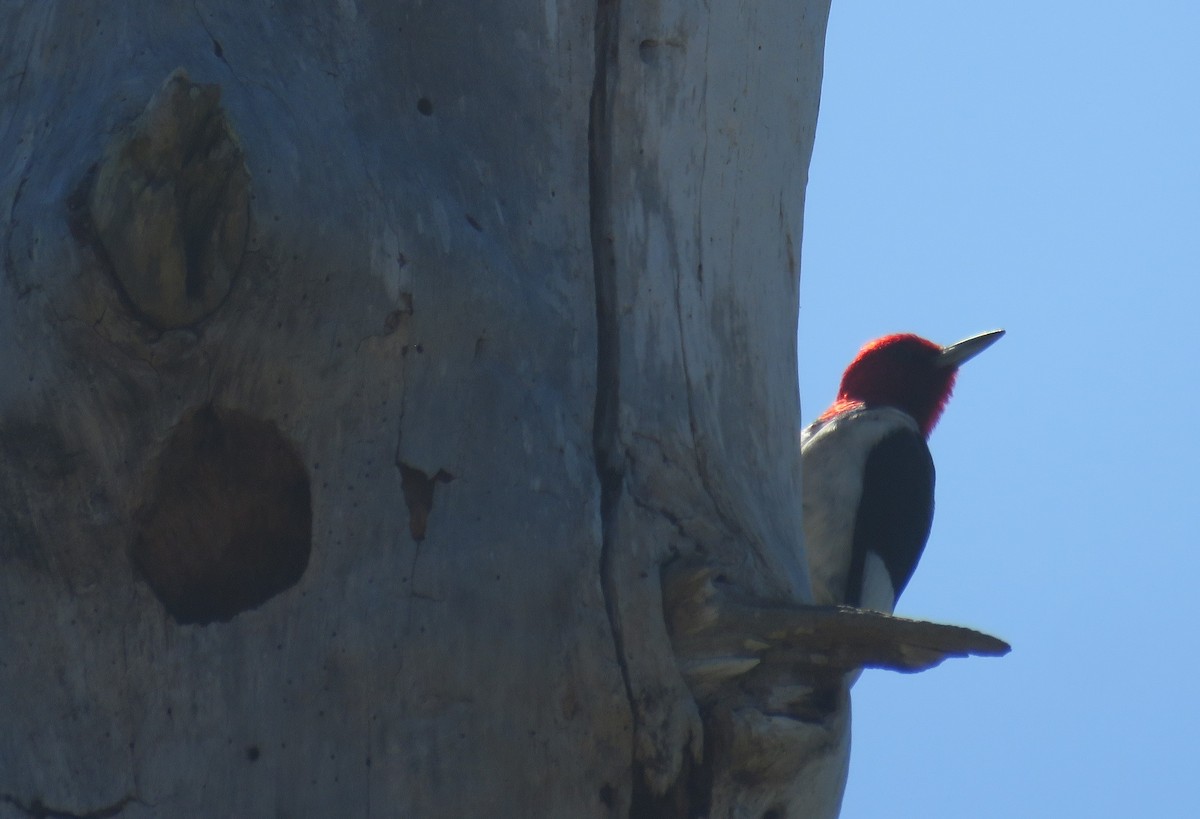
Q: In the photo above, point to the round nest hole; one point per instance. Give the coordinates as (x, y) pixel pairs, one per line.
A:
(230, 522)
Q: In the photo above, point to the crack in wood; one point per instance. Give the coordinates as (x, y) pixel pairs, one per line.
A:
(37, 809)
(418, 487)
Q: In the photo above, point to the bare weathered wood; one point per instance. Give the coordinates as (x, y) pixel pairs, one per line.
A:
(170, 204)
(703, 123)
(416, 293)
(516, 294)
(773, 680)
(720, 634)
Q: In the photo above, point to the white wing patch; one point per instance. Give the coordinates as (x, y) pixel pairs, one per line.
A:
(833, 459)
(877, 591)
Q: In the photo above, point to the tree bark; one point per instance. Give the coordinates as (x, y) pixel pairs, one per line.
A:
(363, 366)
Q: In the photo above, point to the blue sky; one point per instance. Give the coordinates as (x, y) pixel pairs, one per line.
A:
(1032, 166)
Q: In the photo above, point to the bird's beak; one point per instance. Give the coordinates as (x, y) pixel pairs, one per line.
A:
(962, 351)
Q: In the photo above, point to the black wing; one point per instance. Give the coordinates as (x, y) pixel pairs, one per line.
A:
(895, 511)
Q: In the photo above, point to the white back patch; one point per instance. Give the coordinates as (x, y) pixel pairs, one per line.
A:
(833, 459)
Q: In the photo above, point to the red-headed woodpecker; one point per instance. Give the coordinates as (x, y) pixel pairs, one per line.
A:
(867, 472)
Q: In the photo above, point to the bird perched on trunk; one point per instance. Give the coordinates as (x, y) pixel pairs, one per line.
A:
(867, 473)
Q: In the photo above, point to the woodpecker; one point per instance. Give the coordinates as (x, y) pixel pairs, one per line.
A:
(867, 472)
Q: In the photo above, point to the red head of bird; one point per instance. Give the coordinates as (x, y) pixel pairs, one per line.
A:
(907, 372)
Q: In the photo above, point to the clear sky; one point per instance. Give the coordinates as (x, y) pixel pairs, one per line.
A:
(1033, 166)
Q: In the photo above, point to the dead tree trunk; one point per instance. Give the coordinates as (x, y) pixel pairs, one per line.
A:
(360, 379)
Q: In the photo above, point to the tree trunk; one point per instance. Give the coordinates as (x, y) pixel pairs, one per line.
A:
(363, 365)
